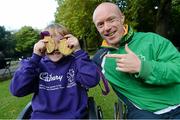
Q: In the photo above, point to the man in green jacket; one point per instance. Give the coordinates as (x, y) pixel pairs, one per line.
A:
(142, 68)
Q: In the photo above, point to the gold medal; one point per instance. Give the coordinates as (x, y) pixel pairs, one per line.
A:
(63, 47)
(50, 46)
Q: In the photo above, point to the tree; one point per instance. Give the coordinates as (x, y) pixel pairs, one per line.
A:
(77, 16)
(7, 43)
(26, 37)
(175, 23)
(141, 14)
(160, 16)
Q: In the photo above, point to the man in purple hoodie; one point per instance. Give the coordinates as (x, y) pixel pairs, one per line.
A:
(59, 82)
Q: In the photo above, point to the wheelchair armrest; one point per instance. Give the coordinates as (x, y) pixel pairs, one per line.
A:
(26, 112)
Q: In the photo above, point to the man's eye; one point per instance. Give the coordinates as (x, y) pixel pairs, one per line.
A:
(100, 25)
(111, 20)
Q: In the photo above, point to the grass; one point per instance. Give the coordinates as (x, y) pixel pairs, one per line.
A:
(11, 106)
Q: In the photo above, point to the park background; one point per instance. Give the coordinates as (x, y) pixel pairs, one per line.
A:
(159, 16)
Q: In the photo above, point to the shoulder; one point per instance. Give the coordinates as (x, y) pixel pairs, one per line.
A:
(98, 56)
(150, 37)
(154, 41)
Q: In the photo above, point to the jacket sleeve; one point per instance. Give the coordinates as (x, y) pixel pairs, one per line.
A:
(87, 74)
(164, 68)
(25, 79)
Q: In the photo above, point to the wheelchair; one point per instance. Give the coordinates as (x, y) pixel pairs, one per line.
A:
(120, 110)
(94, 111)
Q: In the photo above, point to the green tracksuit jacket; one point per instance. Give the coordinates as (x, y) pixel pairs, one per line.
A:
(157, 85)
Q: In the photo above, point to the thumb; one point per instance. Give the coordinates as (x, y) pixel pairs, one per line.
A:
(128, 50)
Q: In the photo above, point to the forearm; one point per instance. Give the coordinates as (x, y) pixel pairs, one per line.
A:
(162, 66)
(87, 73)
(160, 73)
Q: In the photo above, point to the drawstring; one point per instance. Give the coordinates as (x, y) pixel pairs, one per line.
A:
(105, 83)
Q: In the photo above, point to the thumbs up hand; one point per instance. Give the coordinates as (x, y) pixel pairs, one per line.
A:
(129, 62)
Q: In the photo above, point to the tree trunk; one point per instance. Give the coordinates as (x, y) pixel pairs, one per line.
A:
(163, 18)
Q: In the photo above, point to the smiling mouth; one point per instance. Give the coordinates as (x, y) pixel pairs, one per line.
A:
(109, 34)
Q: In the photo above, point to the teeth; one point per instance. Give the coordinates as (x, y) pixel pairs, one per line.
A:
(111, 34)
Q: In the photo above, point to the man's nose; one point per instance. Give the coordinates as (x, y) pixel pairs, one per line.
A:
(107, 26)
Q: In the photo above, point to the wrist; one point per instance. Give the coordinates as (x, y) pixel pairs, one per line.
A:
(77, 49)
(35, 57)
(37, 53)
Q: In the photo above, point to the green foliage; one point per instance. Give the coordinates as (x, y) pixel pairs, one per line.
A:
(26, 37)
(175, 24)
(77, 16)
(154, 15)
(141, 14)
(7, 43)
(176, 14)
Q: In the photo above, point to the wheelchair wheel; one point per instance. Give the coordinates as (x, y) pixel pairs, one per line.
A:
(119, 110)
(100, 114)
(116, 113)
(95, 111)
(26, 112)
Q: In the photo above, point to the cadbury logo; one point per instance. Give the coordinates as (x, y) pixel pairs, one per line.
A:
(49, 77)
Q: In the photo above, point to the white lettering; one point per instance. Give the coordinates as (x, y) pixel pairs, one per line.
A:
(49, 77)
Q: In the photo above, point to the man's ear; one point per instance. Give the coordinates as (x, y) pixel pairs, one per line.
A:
(122, 19)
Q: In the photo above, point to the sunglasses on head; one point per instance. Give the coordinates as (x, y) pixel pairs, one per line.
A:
(51, 45)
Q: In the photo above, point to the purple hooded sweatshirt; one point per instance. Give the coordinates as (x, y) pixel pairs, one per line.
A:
(60, 89)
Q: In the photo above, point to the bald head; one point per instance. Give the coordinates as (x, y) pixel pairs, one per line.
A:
(104, 7)
(109, 22)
